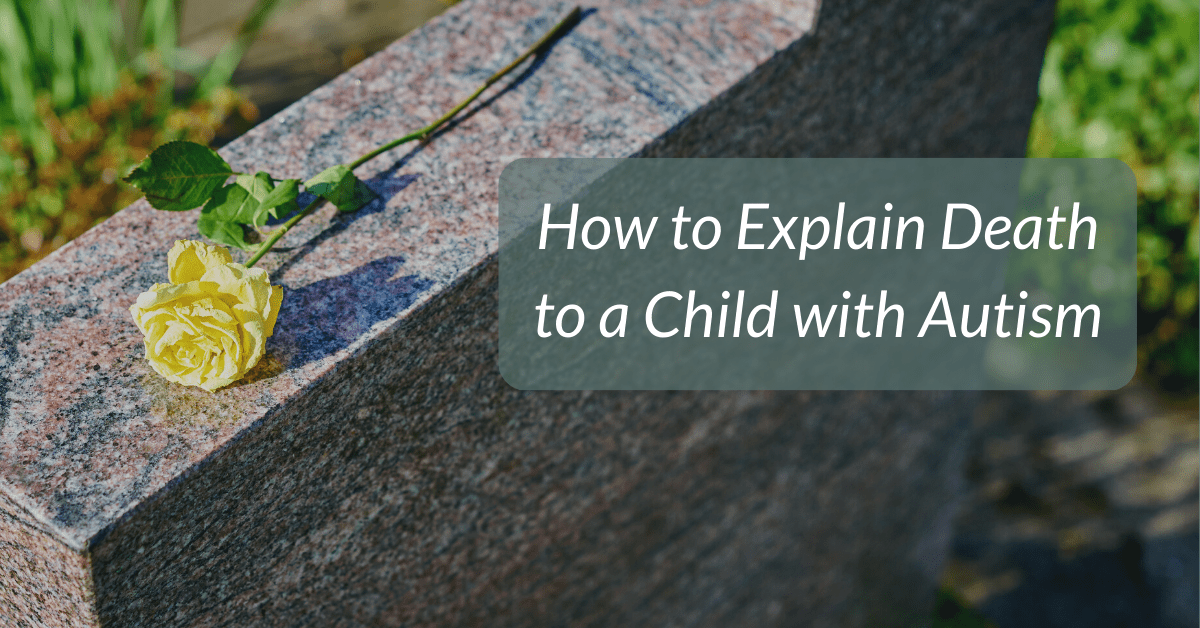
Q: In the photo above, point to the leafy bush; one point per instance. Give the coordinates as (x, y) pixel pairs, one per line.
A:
(1120, 80)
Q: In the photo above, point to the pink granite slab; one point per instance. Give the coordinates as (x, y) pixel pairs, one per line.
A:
(88, 433)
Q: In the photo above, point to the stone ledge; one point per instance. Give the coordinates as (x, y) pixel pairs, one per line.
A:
(375, 470)
(438, 222)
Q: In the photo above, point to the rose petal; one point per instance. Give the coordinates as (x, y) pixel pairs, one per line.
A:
(189, 259)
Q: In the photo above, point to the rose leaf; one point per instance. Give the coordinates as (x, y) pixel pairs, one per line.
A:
(179, 176)
(224, 214)
(275, 199)
(339, 186)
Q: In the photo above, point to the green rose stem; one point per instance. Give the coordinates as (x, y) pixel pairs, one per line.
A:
(424, 132)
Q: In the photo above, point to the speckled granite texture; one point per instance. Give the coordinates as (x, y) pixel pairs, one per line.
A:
(374, 470)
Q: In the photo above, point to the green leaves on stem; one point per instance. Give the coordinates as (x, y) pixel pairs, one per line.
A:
(179, 176)
(247, 202)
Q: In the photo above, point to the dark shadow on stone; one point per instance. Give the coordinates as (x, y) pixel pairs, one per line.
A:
(324, 317)
(385, 185)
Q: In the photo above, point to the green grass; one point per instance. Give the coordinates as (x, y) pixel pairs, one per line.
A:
(86, 91)
(75, 51)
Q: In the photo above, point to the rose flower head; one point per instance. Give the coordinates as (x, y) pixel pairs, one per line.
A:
(210, 324)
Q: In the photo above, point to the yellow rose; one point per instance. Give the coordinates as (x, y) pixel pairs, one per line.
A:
(210, 324)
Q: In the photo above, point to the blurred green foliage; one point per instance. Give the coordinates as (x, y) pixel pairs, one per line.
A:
(86, 91)
(71, 52)
(1120, 80)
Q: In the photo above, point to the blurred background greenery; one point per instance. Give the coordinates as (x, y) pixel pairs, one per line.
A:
(1120, 80)
(88, 90)
(89, 87)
